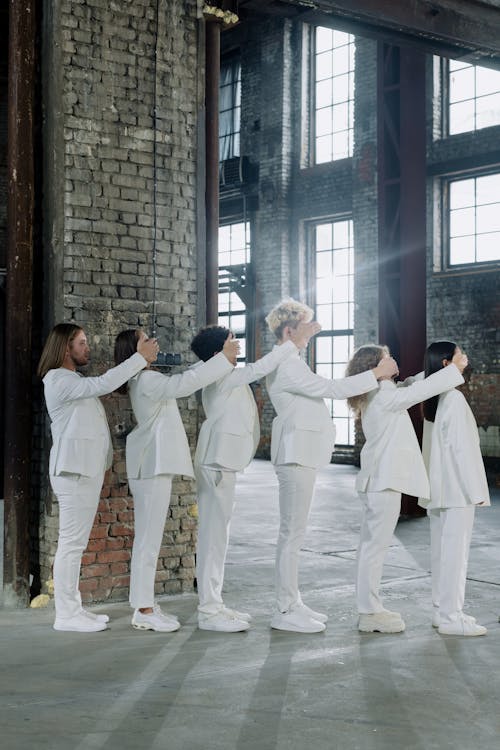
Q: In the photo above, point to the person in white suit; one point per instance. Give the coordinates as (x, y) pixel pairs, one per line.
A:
(391, 464)
(303, 437)
(156, 449)
(227, 443)
(457, 485)
(80, 454)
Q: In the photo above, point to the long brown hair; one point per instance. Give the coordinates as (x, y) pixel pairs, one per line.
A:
(54, 351)
(365, 358)
(125, 347)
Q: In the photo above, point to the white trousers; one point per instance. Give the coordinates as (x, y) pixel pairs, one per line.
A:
(215, 489)
(451, 531)
(380, 513)
(296, 489)
(151, 501)
(78, 498)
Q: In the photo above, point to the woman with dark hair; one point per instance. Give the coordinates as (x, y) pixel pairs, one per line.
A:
(157, 449)
(81, 452)
(391, 463)
(227, 443)
(457, 484)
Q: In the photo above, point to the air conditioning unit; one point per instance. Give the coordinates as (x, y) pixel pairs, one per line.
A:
(236, 171)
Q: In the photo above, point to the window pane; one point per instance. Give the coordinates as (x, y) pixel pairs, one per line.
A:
(334, 84)
(341, 348)
(487, 111)
(488, 247)
(323, 265)
(341, 430)
(488, 218)
(487, 81)
(324, 290)
(341, 234)
(487, 188)
(462, 85)
(323, 237)
(324, 316)
(462, 250)
(340, 289)
(462, 194)
(324, 349)
(462, 222)
(461, 117)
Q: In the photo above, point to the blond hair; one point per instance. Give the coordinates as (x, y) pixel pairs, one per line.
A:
(55, 347)
(365, 358)
(288, 312)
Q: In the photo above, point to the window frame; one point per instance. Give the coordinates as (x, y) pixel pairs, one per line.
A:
(447, 266)
(232, 60)
(445, 102)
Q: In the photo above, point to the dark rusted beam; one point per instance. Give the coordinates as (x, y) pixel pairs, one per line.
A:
(402, 213)
(18, 365)
(449, 28)
(212, 77)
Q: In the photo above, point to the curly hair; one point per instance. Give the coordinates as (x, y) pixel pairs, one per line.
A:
(209, 341)
(365, 358)
(288, 312)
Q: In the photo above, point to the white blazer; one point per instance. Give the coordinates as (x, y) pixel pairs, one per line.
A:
(158, 444)
(391, 457)
(230, 434)
(81, 443)
(453, 456)
(303, 431)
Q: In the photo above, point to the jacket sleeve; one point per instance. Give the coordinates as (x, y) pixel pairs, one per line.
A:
(162, 387)
(259, 369)
(403, 398)
(302, 381)
(72, 388)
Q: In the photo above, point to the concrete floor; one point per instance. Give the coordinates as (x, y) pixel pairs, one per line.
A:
(339, 690)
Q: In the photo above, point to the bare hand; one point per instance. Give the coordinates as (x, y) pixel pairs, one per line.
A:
(386, 368)
(147, 347)
(304, 331)
(460, 360)
(231, 349)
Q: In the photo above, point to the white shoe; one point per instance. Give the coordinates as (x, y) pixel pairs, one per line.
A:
(436, 619)
(221, 622)
(158, 610)
(461, 626)
(245, 616)
(381, 622)
(319, 616)
(94, 616)
(154, 621)
(296, 620)
(80, 623)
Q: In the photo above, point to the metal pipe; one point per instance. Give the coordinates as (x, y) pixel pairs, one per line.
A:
(212, 77)
(18, 365)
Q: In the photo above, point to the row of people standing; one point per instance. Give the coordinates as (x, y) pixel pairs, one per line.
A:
(157, 449)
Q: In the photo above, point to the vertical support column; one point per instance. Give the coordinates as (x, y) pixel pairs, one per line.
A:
(18, 365)
(402, 212)
(212, 73)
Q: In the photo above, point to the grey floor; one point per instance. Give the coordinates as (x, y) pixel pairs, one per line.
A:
(261, 690)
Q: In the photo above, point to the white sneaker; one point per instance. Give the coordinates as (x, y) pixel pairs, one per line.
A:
(154, 621)
(221, 622)
(461, 626)
(158, 610)
(436, 619)
(80, 623)
(319, 616)
(381, 622)
(296, 620)
(245, 616)
(94, 616)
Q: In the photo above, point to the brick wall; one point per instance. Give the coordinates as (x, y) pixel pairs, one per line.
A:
(98, 80)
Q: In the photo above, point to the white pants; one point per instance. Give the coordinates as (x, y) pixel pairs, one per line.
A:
(379, 518)
(296, 489)
(151, 501)
(215, 488)
(78, 498)
(451, 531)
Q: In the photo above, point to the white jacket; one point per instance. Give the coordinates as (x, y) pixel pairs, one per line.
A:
(391, 458)
(230, 434)
(453, 456)
(303, 431)
(81, 443)
(158, 444)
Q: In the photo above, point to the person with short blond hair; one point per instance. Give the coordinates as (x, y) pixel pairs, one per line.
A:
(303, 437)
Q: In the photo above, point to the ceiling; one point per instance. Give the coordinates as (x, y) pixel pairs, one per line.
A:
(462, 29)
